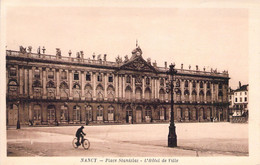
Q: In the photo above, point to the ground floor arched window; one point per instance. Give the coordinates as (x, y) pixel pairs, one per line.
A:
(76, 113)
(88, 113)
(148, 114)
(51, 115)
(100, 113)
(64, 113)
(110, 113)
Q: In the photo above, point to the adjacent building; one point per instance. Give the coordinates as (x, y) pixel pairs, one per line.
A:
(64, 90)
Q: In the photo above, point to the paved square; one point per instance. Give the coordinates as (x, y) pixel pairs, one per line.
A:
(194, 139)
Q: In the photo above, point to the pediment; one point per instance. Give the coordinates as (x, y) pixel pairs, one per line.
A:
(138, 64)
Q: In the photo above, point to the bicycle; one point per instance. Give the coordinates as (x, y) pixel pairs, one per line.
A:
(85, 144)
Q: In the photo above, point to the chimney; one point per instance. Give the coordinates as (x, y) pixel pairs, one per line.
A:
(239, 84)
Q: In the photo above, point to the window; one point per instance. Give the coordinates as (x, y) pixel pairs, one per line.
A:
(51, 74)
(110, 78)
(36, 73)
(178, 83)
(220, 86)
(240, 99)
(245, 106)
(240, 93)
(208, 85)
(186, 84)
(12, 72)
(230, 97)
(63, 75)
(194, 84)
(128, 79)
(235, 99)
(99, 78)
(88, 78)
(201, 84)
(147, 81)
(245, 99)
(245, 93)
(76, 76)
(162, 82)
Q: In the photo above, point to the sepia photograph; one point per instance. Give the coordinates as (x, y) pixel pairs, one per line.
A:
(125, 82)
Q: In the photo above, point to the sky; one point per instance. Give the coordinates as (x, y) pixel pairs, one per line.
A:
(210, 37)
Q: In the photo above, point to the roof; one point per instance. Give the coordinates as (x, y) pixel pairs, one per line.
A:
(242, 88)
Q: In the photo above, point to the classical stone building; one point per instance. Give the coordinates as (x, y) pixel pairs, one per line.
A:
(61, 90)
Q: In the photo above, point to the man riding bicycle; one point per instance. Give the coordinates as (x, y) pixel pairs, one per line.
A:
(79, 134)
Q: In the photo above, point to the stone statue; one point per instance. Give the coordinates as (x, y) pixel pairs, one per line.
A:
(22, 49)
(204, 69)
(99, 57)
(78, 55)
(58, 52)
(197, 67)
(39, 50)
(126, 58)
(149, 60)
(181, 66)
(43, 50)
(105, 57)
(118, 59)
(82, 54)
(29, 49)
(70, 53)
(93, 56)
(189, 66)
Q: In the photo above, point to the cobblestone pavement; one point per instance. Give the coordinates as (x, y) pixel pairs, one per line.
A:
(138, 140)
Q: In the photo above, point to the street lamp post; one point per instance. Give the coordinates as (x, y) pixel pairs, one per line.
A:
(172, 137)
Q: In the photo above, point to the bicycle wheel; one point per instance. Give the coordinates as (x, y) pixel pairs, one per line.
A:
(86, 144)
(74, 141)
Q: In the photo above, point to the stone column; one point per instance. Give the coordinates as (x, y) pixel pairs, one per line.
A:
(143, 86)
(152, 87)
(105, 86)
(82, 85)
(70, 85)
(216, 87)
(158, 88)
(30, 83)
(20, 80)
(123, 90)
(182, 90)
(133, 81)
(58, 83)
(198, 91)
(205, 91)
(94, 85)
(26, 77)
(190, 90)
(116, 86)
(44, 83)
(120, 86)
(212, 92)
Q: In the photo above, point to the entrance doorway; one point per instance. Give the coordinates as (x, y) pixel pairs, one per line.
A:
(12, 114)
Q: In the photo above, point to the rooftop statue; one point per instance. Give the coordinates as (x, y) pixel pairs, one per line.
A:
(118, 59)
(126, 58)
(29, 49)
(58, 52)
(22, 49)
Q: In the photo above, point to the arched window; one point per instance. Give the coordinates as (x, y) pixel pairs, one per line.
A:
(88, 92)
(50, 84)
(100, 91)
(201, 84)
(89, 113)
(128, 79)
(76, 113)
(147, 81)
(12, 88)
(51, 115)
(110, 93)
(64, 75)
(148, 114)
(128, 93)
(162, 82)
(64, 113)
(36, 112)
(208, 96)
(99, 78)
(64, 90)
(178, 84)
(147, 94)
(186, 84)
(201, 95)
(220, 85)
(186, 95)
(138, 93)
(100, 113)
(194, 84)
(220, 96)
(161, 94)
(110, 113)
(76, 91)
(194, 96)
(208, 85)
(178, 96)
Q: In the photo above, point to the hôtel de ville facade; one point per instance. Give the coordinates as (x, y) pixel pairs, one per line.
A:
(46, 89)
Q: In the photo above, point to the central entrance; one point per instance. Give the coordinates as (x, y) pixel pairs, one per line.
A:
(129, 114)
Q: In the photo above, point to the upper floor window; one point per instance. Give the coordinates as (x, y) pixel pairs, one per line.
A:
(51, 74)
(245, 99)
(208, 85)
(162, 82)
(194, 84)
(36, 73)
(76, 76)
(220, 86)
(178, 83)
(99, 78)
(240, 99)
(63, 75)
(201, 84)
(110, 78)
(128, 79)
(12, 72)
(147, 81)
(186, 84)
(235, 99)
(88, 77)
(240, 93)
(245, 93)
